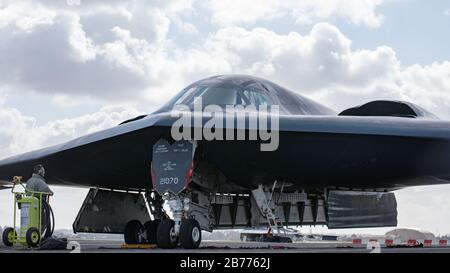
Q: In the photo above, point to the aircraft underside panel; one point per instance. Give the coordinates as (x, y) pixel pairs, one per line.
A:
(352, 209)
(341, 209)
(233, 211)
(106, 211)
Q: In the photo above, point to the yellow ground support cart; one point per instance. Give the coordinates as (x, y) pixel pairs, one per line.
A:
(32, 209)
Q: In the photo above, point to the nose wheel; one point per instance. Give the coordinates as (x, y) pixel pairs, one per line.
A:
(151, 228)
(190, 234)
(189, 237)
(134, 233)
(166, 235)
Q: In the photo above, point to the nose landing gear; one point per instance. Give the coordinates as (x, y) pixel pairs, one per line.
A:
(151, 228)
(166, 236)
(181, 229)
(163, 233)
(190, 234)
(134, 233)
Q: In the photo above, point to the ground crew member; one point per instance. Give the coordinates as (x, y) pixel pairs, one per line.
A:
(37, 182)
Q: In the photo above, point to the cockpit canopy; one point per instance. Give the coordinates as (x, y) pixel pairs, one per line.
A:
(245, 90)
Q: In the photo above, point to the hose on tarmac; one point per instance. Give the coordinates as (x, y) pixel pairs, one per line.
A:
(49, 219)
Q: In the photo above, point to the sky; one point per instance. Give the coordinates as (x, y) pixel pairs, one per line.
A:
(73, 67)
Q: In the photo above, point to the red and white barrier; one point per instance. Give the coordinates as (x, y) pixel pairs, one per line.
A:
(389, 242)
(427, 242)
(392, 242)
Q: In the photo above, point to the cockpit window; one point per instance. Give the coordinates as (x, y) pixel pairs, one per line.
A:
(257, 98)
(225, 94)
(221, 95)
(188, 94)
(242, 90)
(217, 95)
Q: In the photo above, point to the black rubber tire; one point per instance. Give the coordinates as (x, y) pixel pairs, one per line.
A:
(151, 228)
(33, 237)
(163, 237)
(190, 234)
(6, 236)
(133, 232)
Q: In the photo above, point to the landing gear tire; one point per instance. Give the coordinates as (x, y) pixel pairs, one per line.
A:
(134, 232)
(33, 237)
(9, 235)
(165, 234)
(190, 234)
(151, 228)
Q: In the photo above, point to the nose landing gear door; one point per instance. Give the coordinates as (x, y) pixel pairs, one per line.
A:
(172, 165)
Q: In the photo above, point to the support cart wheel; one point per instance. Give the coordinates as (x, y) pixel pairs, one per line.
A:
(9, 235)
(33, 237)
(165, 235)
(190, 234)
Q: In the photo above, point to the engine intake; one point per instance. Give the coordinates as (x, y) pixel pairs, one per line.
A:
(389, 108)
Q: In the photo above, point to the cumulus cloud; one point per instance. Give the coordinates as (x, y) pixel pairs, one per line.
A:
(359, 12)
(116, 51)
(55, 56)
(20, 133)
(107, 52)
(321, 59)
(122, 50)
(323, 65)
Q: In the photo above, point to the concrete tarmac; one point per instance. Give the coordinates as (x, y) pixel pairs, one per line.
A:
(114, 246)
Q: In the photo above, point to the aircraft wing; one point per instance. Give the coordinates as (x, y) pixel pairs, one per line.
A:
(121, 156)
